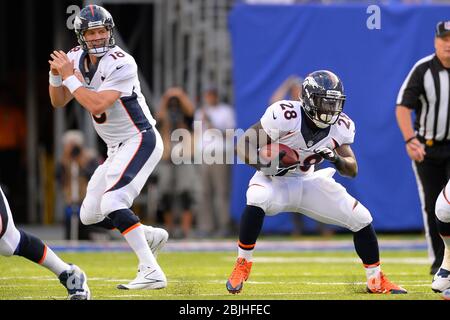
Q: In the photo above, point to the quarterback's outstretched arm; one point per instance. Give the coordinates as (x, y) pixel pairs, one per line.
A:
(249, 143)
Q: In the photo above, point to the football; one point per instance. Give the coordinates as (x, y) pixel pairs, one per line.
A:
(271, 151)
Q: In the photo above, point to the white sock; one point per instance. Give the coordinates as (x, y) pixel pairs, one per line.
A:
(52, 262)
(372, 271)
(246, 254)
(136, 239)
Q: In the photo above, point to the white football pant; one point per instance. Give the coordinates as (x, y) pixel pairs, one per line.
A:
(316, 195)
(119, 180)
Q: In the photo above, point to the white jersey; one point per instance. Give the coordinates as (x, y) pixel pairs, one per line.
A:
(283, 123)
(129, 115)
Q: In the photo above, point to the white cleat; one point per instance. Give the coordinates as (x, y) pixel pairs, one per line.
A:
(156, 238)
(75, 281)
(148, 278)
(441, 280)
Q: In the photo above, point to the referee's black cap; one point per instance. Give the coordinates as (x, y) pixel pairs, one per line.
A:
(442, 28)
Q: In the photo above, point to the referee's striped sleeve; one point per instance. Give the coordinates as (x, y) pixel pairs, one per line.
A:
(412, 87)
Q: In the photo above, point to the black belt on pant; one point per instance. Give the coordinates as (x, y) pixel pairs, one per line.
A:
(432, 142)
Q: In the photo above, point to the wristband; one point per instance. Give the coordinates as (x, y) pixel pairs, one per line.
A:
(410, 139)
(55, 81)
(72, 83)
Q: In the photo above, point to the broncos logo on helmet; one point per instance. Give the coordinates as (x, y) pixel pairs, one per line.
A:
(92, 17)
(323, 97)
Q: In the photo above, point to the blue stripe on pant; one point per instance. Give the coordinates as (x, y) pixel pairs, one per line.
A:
(134, 110)
(142, 155)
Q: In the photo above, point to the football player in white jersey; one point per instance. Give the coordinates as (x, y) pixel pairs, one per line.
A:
(103, 79)
(18, 242)
(441, 280)
(317, 129)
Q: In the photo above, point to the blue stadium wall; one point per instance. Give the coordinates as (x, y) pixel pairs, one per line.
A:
(271, 42)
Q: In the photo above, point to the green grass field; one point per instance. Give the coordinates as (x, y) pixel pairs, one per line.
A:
(202, 275)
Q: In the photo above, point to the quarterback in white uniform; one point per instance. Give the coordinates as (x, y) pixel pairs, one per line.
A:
(103, 79)
(317, 130)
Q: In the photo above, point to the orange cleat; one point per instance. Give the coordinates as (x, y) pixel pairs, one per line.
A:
(240, 274)
(381, 284)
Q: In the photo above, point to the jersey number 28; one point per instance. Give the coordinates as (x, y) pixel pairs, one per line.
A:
(288, 114)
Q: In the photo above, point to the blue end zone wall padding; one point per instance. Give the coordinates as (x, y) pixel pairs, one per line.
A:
(271, 42)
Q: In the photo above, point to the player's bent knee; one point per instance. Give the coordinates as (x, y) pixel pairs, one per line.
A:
(88, 217)
(84, 216)
(258, 196)
(9, 242)
(361, 218)
(6, 248)
(112, 201)
(443, 215)
(442, 209)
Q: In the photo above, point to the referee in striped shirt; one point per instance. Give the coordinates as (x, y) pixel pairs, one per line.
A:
(426, 92)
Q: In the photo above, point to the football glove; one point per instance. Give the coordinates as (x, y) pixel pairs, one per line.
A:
(327, 154)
